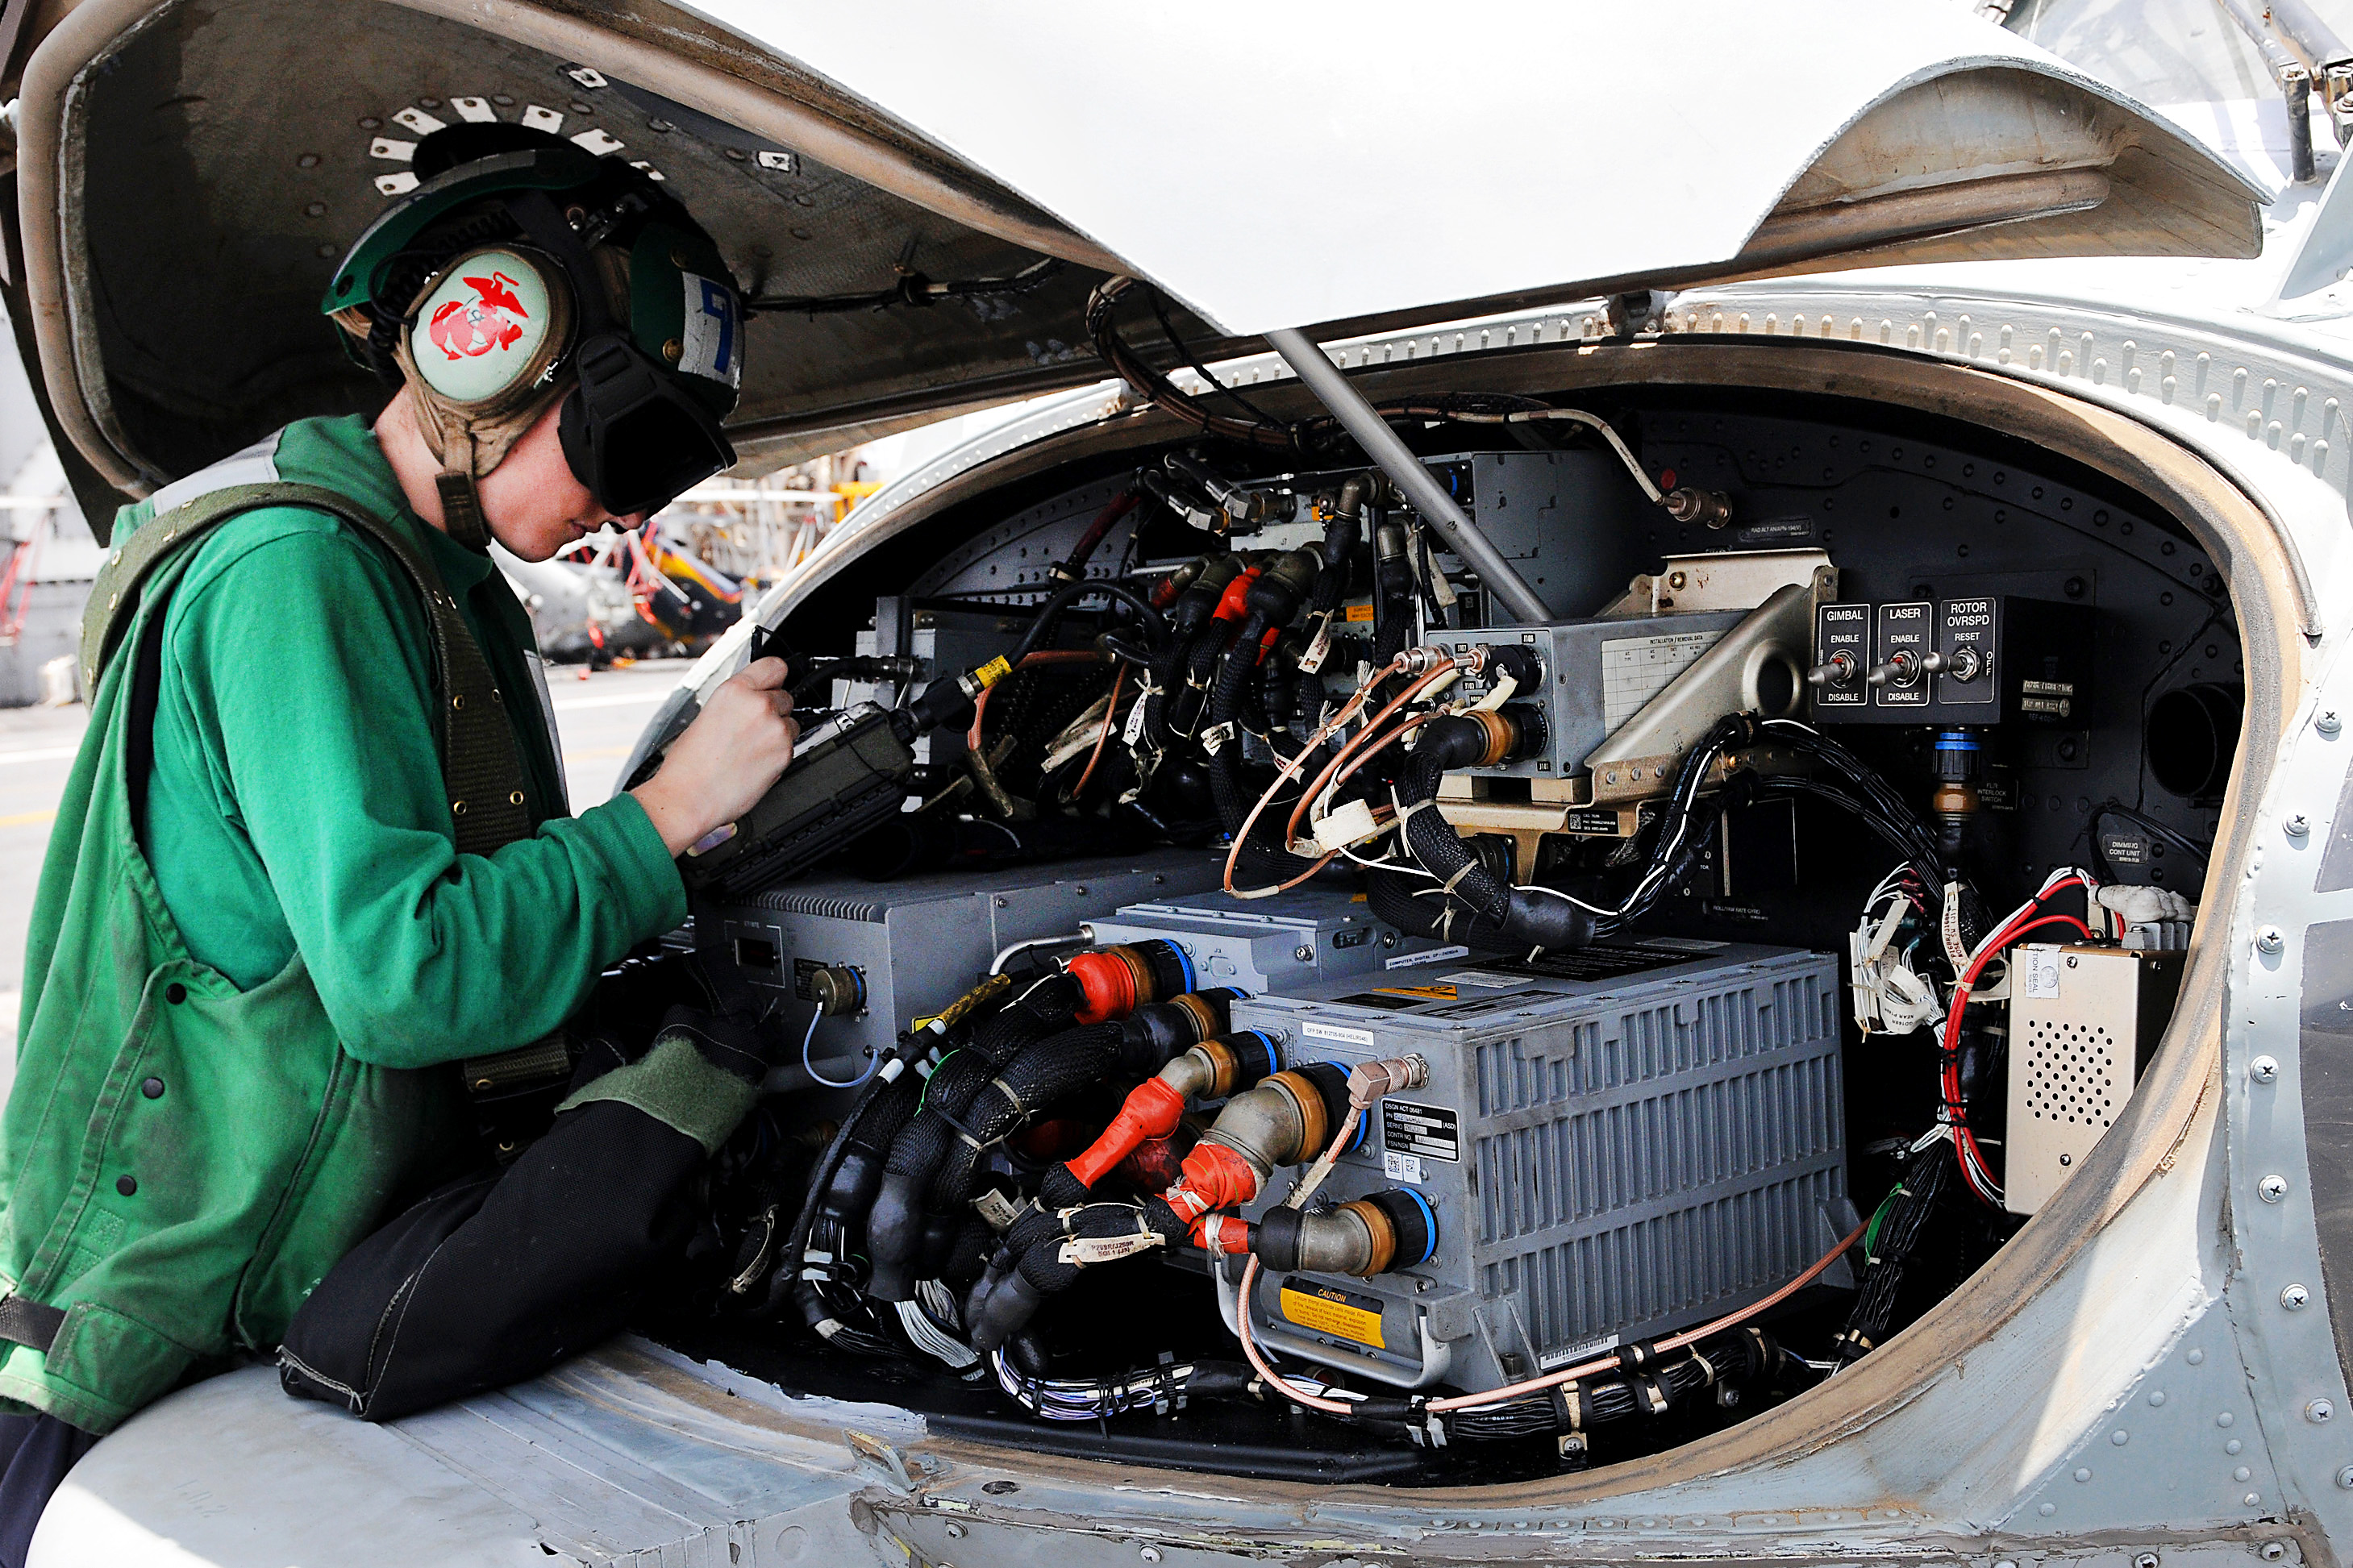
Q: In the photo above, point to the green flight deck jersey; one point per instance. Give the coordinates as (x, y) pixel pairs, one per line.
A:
(244, 980)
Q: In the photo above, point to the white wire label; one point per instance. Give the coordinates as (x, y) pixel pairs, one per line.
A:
(1091, 1249)
(1400, 1167)
(1319, 648)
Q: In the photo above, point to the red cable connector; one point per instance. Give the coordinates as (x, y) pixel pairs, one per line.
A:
(1216, 1177)
(1153, 1110)
(1235, 603)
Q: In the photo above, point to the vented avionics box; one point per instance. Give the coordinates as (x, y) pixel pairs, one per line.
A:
(2083, 1021)
(1617, 1142)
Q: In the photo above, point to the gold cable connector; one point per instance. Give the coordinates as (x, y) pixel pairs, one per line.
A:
(957, 1011)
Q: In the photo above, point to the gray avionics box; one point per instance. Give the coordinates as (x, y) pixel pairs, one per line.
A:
(1304, 935)
(1617, 1142)
(1597, 675)
(918, 942)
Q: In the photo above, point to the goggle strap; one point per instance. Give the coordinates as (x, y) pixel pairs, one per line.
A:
(544, 225)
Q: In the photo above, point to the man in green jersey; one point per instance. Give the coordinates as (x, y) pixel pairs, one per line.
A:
(316, 848)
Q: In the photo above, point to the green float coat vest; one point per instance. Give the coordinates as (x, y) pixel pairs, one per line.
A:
(184, 1160)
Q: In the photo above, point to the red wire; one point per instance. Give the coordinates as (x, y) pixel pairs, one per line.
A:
(1949, 1081)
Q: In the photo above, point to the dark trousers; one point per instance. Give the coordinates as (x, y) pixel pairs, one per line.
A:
(498, 1276)
(36, 1451)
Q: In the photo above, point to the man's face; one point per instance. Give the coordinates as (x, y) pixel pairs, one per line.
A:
(534, 504)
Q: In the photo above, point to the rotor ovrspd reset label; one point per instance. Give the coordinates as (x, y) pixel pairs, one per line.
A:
(1328, 1309)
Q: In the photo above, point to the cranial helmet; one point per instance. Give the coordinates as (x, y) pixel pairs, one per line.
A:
(524, 272)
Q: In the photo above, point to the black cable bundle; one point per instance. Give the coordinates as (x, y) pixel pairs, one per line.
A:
(1888, 1248)
(1868, 796)
(842, 1183)
(896, 1221)
(1040, 633)
(1591, 1403)
(1149, 384)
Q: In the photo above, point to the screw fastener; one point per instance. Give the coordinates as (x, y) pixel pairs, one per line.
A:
(2272, 1550)
(2345, 1478)
(2297, 826)
(2271, 1188)
(2329, 723)
(2270, 939)
(2264, 1070)
(2294, 1297)
(2145, 1559)
(1304, 953)
(2319, 1411)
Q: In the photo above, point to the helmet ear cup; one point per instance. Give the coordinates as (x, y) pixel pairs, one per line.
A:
(482, 348)
(488, 325)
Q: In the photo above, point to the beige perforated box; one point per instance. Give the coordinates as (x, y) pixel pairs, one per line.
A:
(2083, 1021)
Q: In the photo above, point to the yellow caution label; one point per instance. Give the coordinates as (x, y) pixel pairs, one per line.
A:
(1328, 1309)
(1359, 613)
(995, 670)
(1420, 993)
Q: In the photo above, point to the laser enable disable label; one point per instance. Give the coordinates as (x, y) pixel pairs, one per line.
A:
(1328, 1309)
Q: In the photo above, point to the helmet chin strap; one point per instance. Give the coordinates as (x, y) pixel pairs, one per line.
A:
(462, 498)
(467, 450)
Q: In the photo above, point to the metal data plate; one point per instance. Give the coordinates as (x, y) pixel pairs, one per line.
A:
(1598, 675)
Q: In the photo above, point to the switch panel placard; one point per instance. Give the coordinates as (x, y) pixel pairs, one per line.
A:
(1967, 633)
(1899, 661)
(1841, 656)
(1985, 659)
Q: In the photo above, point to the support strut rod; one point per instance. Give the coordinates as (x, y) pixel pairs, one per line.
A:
(1422, 490)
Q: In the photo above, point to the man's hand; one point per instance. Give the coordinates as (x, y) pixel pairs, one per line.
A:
(725, 763)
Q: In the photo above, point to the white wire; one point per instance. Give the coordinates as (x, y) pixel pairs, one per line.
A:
(1609, 435)
(1662, 864)
(1386, 864)
(1572, 898)
(810, 1068)
(1006, 954)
